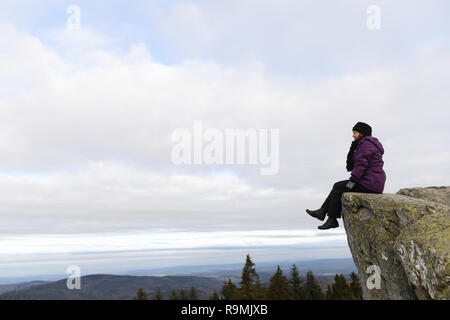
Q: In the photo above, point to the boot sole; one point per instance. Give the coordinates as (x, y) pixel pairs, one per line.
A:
(330, 227)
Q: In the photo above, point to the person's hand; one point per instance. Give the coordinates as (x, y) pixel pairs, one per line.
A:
(350, 184)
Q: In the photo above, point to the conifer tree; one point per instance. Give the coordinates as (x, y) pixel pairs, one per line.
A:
(312, 288)
(297, 284)
(193, 294)
(182, 295)
(229, 291)
(250, 286)
(214, 296)
(158, 294)
(355, 287)
(329, 293)
(261, 290)
(343, 288)
(279, 287)
(141, 295)
(174, 295)
(340, 290)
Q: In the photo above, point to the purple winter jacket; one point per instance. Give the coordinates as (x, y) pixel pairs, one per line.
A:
(368, 164)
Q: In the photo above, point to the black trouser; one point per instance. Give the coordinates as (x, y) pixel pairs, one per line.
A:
(333, 203)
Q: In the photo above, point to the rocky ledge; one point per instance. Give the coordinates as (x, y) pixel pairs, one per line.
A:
(400, 242)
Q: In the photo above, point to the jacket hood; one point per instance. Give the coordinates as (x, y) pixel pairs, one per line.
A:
(375, 142)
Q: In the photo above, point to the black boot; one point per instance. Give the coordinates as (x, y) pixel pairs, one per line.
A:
(330, 223)
(318, 214)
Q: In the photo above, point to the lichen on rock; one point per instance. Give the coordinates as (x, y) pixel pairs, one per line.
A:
(407, 238)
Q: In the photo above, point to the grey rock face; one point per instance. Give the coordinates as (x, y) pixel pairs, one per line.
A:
(400, 242)
(437, 194)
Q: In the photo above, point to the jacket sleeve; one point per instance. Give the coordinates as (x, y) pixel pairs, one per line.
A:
(362, 156)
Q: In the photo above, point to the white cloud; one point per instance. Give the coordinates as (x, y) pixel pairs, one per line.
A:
(108, 196)
(147, 241)
(301, 38)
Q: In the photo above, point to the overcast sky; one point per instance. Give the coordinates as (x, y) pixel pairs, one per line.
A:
(86, 118)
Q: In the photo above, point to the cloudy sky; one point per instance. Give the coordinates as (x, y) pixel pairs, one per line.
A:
(87, 114)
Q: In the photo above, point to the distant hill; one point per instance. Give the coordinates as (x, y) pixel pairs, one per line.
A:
(115, 287)
(16, 286)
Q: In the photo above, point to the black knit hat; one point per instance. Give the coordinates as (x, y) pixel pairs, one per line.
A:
(363, 128)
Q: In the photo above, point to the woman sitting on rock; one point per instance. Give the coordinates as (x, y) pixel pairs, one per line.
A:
(365, 161)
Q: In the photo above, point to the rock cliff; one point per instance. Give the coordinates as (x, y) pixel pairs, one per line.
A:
(400, 242)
